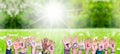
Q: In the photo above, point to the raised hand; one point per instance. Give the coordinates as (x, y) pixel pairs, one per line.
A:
(88, 44)
(112, 44)
(101, 45)
(67, 43)
(39, 45)
(22, 43)
(51, 47)
(28, 42)
(81, 47)
(45, 44)
(75, 42)
(106, 44)
(9, 41)
(94, 44)
(33, 43)
(16, 44)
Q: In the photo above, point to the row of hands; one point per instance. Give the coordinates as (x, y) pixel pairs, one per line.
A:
(48, 45)
(88, 44)
(44, 45)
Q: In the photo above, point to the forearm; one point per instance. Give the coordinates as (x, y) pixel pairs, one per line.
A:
(33, 50)
(74, 51)
(66, 51)
(23, 53)
(38, 52)
(51, 52)
(15, 51)
(87, 52)
(44, 52)
(106, 51)
(93, 52)
(80, 52)
(112, 51)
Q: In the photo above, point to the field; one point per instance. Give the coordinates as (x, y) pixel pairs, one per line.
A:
(58, 34)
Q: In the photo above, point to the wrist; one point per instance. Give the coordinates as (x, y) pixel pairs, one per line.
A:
(113, 51)
(15, 51)
(51, 52)
(106, 51)
(93, 51)
(87, 52)
(8, 48)
(66, 51)
(80, 52)
(74, 51)
(33, 50)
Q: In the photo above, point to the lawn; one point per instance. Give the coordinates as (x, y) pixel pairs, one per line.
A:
(58, 34)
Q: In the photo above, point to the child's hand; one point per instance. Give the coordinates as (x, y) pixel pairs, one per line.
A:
(106, 44)
(51, 47)
(82, 45)
(67, 43)
(112, 44)
(8, 41)
(94, 45)
(16, 45)
(28, 42)
(45, 44)
(75, 42)
(101, 45)
(22, 43)
(33, 43)
(88, 44)
(39, 46)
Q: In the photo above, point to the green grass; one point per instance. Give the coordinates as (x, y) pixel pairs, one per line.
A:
(58, 34)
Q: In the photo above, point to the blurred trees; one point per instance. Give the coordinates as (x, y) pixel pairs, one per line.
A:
(98, 14)
(84, 13)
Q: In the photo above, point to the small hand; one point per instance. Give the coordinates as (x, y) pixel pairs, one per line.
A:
(94, 44)
(106, 44)
(101, 45)
(33, 43)
(51, 47)
(66, 43)
(16, 45)
(82, 45)
(112, 44)
(88, 44)
(45, 44)
(75, 42)
(8, 42)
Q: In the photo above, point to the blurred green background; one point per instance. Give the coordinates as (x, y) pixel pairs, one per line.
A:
(79, 14)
